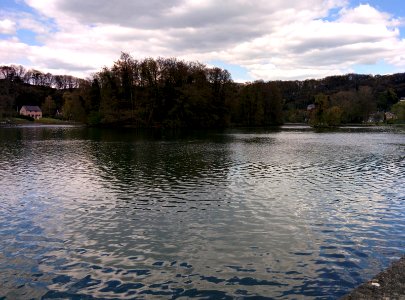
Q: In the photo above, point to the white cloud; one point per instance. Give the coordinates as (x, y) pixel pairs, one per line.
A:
(316, 48)
(7, 27)
(28, 22)
(363, 14)
(280, 39)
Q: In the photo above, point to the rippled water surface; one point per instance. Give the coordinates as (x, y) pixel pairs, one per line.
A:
(240, 213)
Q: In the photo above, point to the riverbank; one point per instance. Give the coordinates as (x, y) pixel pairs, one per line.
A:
(42, 121)
(52, 121)
(389, 284)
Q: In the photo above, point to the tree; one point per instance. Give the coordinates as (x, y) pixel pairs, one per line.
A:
(73, 107)
(49, 107)
(220, 82)
(333, 116)
(318, 115)
(273, 105)
(347, 102)
(125, 69)
(6, 106)
(399, 110)
(323, 115)
(258, 104)
(387, 99)
(366, 101)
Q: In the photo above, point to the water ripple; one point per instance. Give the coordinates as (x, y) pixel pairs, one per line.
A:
(100, 215)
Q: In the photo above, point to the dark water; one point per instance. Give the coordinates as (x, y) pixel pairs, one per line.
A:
(290, 213)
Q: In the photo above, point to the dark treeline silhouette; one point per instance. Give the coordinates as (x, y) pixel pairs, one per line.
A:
(167, 92)
(156, 93)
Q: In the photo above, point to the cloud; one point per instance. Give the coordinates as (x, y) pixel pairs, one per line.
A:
(19, 50)
(280, 39)
(28, 22)
(363, 14)
(7, 27)
(317, 47)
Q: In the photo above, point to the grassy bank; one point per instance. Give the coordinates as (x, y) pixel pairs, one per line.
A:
(44, 121)
(52, 121)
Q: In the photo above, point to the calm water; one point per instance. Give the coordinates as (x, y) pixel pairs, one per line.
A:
(280, 214)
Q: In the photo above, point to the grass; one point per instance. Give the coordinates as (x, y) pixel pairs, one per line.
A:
(50, 121)
(45, 121)
(17, 121)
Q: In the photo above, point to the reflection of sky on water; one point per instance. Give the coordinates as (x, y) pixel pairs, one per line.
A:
(292, 210)
(332, 191)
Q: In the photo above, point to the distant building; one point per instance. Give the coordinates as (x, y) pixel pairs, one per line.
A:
(377, 117)
(31, 111)
(390, 116)
(311, 107)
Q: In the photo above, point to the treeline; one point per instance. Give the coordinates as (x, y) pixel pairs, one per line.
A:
(19, 86)
(149, 93)
(157, 93)
(19, 74)
(350, 98)
(173, 93)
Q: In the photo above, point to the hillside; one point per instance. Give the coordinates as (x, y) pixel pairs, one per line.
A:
(173, 93)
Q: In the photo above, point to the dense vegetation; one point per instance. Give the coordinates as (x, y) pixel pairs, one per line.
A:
(173, 93)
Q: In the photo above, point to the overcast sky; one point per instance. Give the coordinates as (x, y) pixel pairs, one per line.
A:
(270, 40)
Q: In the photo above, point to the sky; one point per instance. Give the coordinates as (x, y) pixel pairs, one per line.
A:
(256, 39)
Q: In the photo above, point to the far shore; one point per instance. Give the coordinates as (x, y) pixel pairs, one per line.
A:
(6, 122)
(39, 122)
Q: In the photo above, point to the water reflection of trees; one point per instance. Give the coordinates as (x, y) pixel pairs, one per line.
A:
(139, 159)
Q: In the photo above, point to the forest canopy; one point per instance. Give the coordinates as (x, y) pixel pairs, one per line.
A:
(172, 93)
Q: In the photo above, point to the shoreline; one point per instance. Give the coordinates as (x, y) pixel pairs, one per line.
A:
(14, 122)
(389, 284)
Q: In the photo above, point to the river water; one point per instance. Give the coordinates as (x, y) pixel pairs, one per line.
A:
(286, 213)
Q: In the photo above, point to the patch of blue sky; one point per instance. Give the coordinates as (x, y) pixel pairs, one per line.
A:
(394, 7)
(333, 15)
(28, 37)
(16, 5)
(238, 73)
(379, 68)
(4, 36)
(50, 24)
